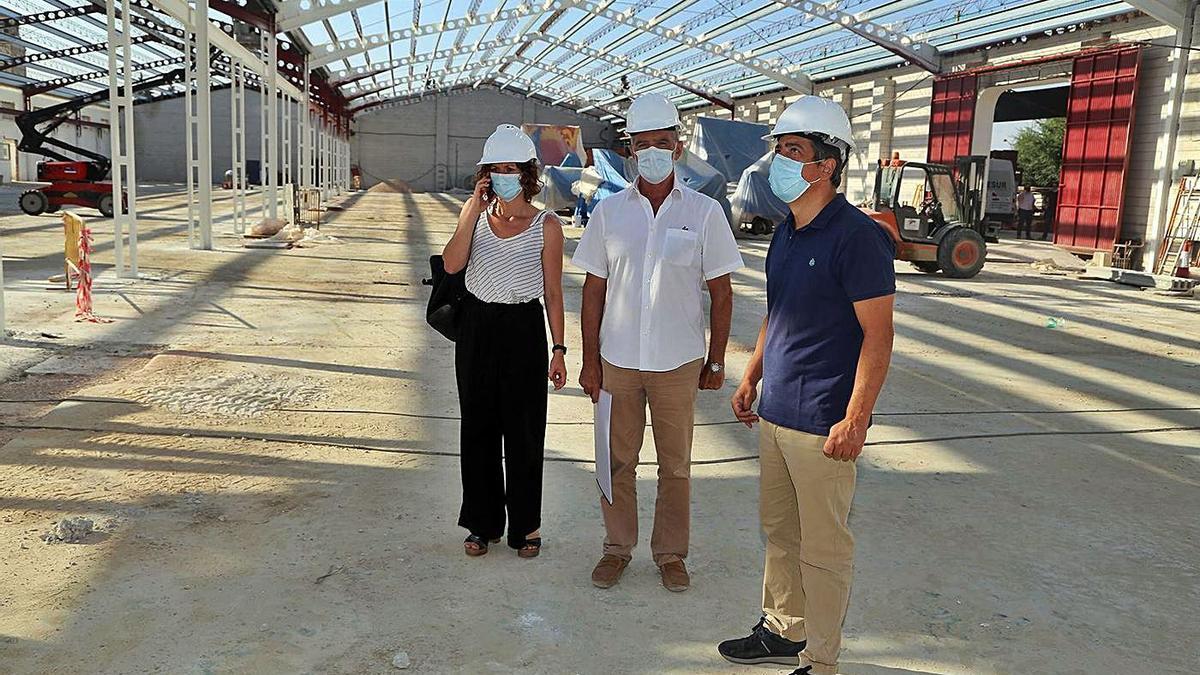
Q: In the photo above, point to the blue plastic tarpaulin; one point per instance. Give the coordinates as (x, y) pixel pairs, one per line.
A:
(556, 187)
(610, 167)
(753, 197)
(728, 146)
(612, 173)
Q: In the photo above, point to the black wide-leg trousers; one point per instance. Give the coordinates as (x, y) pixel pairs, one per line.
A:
(500, 362)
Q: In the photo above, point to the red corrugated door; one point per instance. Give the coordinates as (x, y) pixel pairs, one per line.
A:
(951, 118)
(1091, 191)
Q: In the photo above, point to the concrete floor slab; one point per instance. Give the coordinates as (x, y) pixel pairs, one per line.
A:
(275, 475)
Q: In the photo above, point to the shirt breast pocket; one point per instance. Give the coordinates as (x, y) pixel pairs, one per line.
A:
(680, 247)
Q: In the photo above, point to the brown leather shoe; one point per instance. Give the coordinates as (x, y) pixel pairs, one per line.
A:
(675, 576)
(608, 571)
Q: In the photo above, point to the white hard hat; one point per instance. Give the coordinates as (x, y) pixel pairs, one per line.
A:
(508, 144)
(817, 116)
(650, 112)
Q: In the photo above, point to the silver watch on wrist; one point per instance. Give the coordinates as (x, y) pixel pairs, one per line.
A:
(715, 367)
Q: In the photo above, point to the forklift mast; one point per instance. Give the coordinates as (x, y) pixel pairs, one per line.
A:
(37, 125)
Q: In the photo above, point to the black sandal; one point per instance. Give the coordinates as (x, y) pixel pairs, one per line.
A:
(531, 548)
(480, 543)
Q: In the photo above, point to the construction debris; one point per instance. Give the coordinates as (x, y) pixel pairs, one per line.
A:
(401, 660)
(69, 531)
(267, 227)
(1053, 267)
(313, 237)
(1140, 279)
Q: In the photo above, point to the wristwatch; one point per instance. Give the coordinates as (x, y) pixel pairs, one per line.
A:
(559, 348)
(715, 367)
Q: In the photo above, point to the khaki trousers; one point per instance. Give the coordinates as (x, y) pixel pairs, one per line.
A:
(672, 399)
(804, 506)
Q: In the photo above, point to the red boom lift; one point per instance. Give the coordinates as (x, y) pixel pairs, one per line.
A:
(82, 182)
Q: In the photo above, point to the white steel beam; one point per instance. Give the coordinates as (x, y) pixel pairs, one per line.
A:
(270, 109)
(179, 10)
(341, 77)
(420, 80)
(527, 28)
(921, 54)
(791, 77)
(121, 66)
(703, 66)
(616, 59)
(296, 13)
(1166, 11)
(347, 48)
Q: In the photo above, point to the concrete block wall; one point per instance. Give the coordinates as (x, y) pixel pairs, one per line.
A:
(433, 144)
(160, 137)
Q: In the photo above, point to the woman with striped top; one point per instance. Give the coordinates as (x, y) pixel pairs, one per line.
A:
(512, 253)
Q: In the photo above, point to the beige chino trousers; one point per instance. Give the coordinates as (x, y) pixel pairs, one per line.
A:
(804, 507)
(671, 396)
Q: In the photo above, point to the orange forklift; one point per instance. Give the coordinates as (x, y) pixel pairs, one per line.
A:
(72, 182)
(935, 214)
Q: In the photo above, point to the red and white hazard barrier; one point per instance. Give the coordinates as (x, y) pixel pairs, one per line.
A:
(1183, 263)
(83, 293)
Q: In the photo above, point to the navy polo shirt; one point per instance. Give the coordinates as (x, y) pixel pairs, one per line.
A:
(814, 277)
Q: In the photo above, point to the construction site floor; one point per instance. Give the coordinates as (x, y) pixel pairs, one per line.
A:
(266, 443)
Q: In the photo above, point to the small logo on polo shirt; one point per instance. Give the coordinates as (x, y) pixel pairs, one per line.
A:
(812, 262)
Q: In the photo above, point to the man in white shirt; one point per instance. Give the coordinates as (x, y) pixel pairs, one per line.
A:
(1025, 205)
(648, 252)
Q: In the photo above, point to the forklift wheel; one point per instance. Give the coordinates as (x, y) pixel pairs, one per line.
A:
(34, 202)
(961, 253)
(761, 225)
(104, 204)
(927, 266)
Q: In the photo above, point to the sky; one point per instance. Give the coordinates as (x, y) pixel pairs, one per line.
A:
(1003, 133)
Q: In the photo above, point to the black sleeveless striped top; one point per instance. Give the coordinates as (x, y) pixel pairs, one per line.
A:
(509, 270)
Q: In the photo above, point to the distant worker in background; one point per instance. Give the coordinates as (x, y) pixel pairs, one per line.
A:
(822, 356)
(512, 253)
(648, 251)
(1025, 205)
(896, 161)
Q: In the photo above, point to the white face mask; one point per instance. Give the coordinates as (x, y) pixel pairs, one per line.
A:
(655, 164)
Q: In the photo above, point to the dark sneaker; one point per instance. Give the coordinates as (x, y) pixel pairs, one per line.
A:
(806, 670)
(762, 646)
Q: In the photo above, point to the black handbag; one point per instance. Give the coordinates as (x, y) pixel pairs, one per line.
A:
(445, 297)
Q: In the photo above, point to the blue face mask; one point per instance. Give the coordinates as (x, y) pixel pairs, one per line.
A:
(655, 164)
(786, 178)
(506, 185)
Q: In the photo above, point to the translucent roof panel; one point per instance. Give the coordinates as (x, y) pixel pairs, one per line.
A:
(587, 51)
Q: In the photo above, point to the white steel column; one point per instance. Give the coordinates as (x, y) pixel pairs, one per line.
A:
(272, 111)
(264, 157)
(199, 127)
(237, 123)
(346, 157)
(189, 128)
(322, 159)
(302, 119)
(120, 113)
(286, 154)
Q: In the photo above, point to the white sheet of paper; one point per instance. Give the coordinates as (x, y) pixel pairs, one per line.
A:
(603, 450)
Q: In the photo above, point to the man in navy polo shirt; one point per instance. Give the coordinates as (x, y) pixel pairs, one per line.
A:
(822, 357)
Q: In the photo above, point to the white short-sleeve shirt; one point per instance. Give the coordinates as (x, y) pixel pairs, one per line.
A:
(656, 266)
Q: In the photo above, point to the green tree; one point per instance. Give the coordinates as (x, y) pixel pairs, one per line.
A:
(1039, 151)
